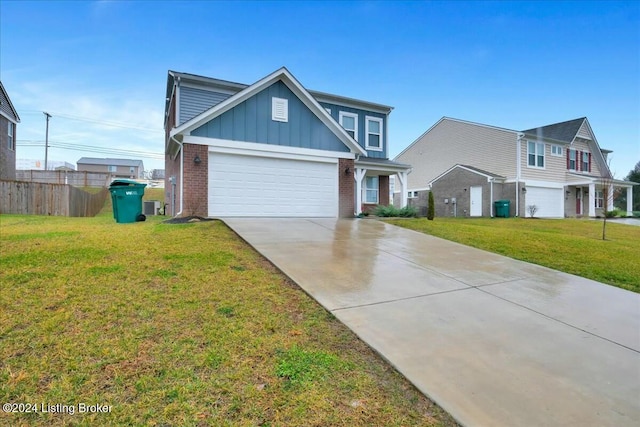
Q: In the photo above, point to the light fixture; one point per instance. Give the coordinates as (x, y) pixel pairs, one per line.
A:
(347, 171)
(524, 189)
(197, 160)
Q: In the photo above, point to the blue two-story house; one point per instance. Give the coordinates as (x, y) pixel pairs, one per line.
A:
(273, 149)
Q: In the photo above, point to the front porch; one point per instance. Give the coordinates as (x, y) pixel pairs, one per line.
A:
(595, 197)
(372, 182)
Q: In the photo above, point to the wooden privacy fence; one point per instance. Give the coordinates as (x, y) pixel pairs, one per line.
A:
(18, 197)
(75, 178)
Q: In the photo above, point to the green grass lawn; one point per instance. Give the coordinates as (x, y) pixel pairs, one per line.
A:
(181, 325)
(569, 245)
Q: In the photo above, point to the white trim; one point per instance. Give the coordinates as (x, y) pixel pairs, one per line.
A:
(266, 148)
(413, 189)
(368, 119)
(253, 153)
(382, 167)
(545, 184)
(366, 188)
(536, 154)
(489, 177)
(354, 116)
(287, 78)
(211, 89)
(556, 154)
(3, 114)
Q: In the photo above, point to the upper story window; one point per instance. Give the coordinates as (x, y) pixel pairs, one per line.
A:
(572, 163)
(374, 134)
(10, 141)
(535, 154)
(585, 161)
(349, 122)
(112, 168)
(556, 150)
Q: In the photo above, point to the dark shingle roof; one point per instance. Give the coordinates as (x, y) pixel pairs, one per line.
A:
(564, 131)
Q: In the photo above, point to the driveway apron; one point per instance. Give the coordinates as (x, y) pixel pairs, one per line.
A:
(494, 341)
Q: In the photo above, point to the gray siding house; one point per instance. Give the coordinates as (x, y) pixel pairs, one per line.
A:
(119, 168)
(8, 123)
(559, 169)
(273, 148)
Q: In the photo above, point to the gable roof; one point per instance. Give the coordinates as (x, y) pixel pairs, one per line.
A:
(472, 169)
(9, 108)
(287, 78)
(563, 131)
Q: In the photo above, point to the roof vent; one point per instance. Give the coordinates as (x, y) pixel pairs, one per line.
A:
(280, 109)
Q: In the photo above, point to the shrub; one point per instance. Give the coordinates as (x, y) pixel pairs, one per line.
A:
(636, 214)
(431, 210)
(392, 211)
(612, 214)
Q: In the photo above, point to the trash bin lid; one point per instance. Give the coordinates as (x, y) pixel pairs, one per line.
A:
(125, 182)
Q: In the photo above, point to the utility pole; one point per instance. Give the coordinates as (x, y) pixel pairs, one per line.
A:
(46, 141)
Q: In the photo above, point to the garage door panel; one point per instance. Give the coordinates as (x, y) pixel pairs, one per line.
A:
(548, 201)
(242, 185)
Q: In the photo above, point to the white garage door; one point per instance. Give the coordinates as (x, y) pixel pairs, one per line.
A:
(241, 185)
(549, 202)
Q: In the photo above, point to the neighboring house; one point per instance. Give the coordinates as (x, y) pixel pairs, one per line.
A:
(8, 120)
(273, 148)
(119, 168)
(560, 169)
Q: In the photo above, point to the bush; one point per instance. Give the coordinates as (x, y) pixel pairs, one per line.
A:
(392, 211)
(614, 213)
(431, 209)
(636, 214)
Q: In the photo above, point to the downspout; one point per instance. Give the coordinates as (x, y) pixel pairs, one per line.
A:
(491, 197)
(181, 173)
(518, 171)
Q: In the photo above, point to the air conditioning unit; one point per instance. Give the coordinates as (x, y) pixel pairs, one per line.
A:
(151, 207)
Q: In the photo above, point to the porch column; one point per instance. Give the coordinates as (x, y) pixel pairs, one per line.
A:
(402, 177)
(629, 201)
(592, 200)
(609, 200)
(359, 176)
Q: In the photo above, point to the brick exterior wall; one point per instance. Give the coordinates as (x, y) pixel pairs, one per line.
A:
(172, 168)
(196, 180)
(7, 157)
(346, 188)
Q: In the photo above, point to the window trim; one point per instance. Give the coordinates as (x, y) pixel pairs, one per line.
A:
(559, 147)
(599, 199)
(584, 166)
(574, 160)
(112, 168)
(355, 121)
(380, 134)
(367, 189)
(10, 139)
(412, 195)
(536, 155)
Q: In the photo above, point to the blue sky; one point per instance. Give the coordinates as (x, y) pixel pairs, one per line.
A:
(100, 68)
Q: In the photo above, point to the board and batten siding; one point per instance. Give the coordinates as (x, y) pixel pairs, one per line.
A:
(194, 101)
(362, 114)
(452, 142)
(251, 121)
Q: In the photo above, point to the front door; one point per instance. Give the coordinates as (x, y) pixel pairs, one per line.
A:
(578, 201)
(476, 201)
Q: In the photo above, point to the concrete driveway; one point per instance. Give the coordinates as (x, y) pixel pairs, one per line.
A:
(494, 341)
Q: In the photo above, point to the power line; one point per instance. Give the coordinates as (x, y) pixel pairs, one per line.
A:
(100, 122)
(102, 150)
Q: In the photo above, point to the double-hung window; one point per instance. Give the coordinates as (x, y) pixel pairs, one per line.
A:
(374, 134)
(585, 161)
(599, 199)
(11, 142)
(371, 189)
(535, 154)
(349, 122)
(556, 150)
(573, 162)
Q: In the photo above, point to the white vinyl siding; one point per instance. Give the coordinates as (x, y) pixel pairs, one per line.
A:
(373, 134)
(349, 122)
(451, 142)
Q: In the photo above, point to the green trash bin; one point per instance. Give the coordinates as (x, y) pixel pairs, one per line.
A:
(502, 208)
(126, 196)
